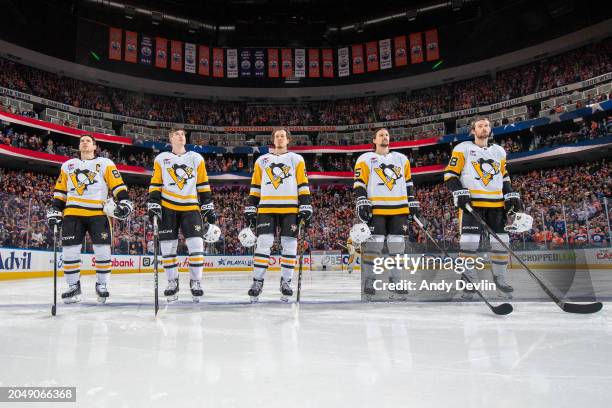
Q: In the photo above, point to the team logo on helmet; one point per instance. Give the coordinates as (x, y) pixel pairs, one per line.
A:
(389, 174)
(83, 178)
(180, 173)
(277, 172)
(486, 169)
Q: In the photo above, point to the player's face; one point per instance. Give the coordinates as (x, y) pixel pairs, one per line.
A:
(382, 138)
(482, 129)
(280, 139)
(87, 145)
(178, 137)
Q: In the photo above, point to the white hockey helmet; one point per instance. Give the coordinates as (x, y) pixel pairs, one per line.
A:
(212, 234)
(360, 233)
(521, 223)
(247, 238)
(109, 207)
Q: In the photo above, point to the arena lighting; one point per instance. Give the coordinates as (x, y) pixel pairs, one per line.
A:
(411, 15)
(156, 16)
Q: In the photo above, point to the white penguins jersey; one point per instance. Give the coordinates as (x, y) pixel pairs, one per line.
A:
(279, 183)
(180, 182)
(83, 185)
(481, 170)
(387, 181)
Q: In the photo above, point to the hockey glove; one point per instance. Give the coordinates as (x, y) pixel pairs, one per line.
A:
(124, 209)
(461, 198)
(414, 206)
(54, 217)
(305, 214)
(364, 209)
(250, 215)
(208, 213)
(512, 202)
(154, 210)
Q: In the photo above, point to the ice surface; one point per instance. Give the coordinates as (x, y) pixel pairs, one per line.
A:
(331, 350)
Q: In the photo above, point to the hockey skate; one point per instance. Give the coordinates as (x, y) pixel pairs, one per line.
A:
(285, 288)
(368, 288)
(102, 292)
(255, 290)
(73, 294)
(171, 291)
(196, 290)
(504, 289)
(397, 294)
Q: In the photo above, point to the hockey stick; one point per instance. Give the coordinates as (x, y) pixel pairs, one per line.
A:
(299, 287)
(54, 307)
(155, 266)
(565, 306)
(503, 309)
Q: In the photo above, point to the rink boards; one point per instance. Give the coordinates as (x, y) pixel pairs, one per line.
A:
(20, 263)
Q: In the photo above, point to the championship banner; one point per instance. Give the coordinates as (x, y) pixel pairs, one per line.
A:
(313, 63)
(260, 63)
(358, 67)
(246, 64)
(190, 58)
(401, 56)
(145, 52)
(161, 52)
(232, 63)
(385, 53)
(272, 62)
(431, 44)
(416, 48)
(204, 60)
(218, 62)
(328, 63)
(131, 46)
(300, 62)
(115, 43)
(343, 62)
(176, 55)
(287, 58)
(372, 55)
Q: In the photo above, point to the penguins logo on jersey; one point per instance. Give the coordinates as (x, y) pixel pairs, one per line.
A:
(389, 174)
(81, 179)
(277, 172)
(486, 169)
(180, 173)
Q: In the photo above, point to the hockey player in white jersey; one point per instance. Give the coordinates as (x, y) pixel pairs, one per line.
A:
(279, 197)
(476, 175)
(78, 208)
(180, 198)
(385, 197)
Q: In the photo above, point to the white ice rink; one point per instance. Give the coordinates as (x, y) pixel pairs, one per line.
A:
(343, 354)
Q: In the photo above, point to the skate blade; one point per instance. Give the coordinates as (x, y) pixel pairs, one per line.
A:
(171, 299)
(284, 299)
(254, 299)
(196, 299)
(74, 299)
(102, 300)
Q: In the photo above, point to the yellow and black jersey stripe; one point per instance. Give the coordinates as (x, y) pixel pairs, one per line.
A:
(279, 184)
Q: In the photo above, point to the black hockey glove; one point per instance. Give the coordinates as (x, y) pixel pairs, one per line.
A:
(305, 214)
(512, 202)
(364, 209)
(54, 217)
(250, 215)
(124, 209)
(461, 198)
(154, 210)
(208, 213)
(414, 206)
